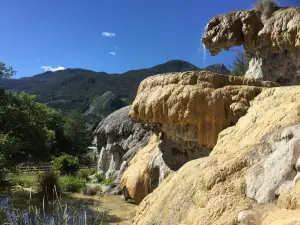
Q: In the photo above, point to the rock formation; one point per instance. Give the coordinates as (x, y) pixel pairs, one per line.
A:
(270, 36)
(191, 108)
(221, 189)
(118, 140)
(145, 171)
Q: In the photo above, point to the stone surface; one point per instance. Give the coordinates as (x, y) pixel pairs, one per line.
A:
(273, 164)
(271, 42)
(145, 172)
(213, 190)
(118, 140)
(290, 199)
(191, 109)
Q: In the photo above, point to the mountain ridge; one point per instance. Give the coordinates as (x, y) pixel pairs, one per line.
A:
(75, 88)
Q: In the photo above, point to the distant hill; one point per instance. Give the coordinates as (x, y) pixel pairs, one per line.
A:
(87, 91)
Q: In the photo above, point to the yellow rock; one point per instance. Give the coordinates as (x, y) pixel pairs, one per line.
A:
(137, 179)
(191, 108)
(211, 190)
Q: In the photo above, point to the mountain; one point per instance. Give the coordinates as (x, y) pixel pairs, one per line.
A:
(84, 90)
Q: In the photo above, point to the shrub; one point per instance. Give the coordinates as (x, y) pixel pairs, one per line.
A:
(109, 180)
(71, 183)
(100, 177)
(91, 190)
(65, 164)
(85, 173)
(48, 185)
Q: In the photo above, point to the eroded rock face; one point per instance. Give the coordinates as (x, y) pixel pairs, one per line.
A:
(271, 42)
(273, 166)
(213, 190)
(145, 171)
(118, 140)
(191, 109)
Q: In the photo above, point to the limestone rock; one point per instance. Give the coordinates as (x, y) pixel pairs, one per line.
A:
(272, 43)
(290, 199)
(145, 171)
(212, 190)
(118, 140)
(191, 109)
(273, 165)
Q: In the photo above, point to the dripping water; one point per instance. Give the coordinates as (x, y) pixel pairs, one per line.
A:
(204, 55)
(203, 47)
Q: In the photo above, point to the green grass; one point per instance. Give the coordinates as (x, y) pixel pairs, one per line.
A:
(23, 180)
(28, 181)
(71, 183)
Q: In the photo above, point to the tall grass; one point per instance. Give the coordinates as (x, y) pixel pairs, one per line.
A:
(60, 215)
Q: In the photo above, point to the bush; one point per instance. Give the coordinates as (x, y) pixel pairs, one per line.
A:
(48, 185)
(100, 177)
(91, 191)
(85, 173)
(65, 164)
(71, 183)
(109, 180)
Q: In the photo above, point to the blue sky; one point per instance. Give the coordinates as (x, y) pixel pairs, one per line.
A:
(107, 35)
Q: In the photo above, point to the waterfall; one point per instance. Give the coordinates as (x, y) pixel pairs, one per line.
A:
(203, 47)
(204, 54)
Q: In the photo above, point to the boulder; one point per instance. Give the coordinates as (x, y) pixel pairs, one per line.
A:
(269, 35)
(215, 189)
(118, 140)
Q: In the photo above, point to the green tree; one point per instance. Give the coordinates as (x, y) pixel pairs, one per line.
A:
(240, 64)
(75, 130)
(23, 128)
(6, 72)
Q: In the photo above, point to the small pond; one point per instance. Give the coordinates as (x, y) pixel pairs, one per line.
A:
(71, 209)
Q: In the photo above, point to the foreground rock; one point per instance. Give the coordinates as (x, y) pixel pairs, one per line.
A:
(145, 171)
(221, 188)
(118, 140)
(191, 109)
(269, 35)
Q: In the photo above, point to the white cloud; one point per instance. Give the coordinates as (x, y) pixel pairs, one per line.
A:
(108, 34)
(53, 69)
(112, 53)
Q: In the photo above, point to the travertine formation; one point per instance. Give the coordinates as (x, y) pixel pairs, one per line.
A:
(118, 140)
(145, 172)
(191, 108)
(271, 42)
(220, 189)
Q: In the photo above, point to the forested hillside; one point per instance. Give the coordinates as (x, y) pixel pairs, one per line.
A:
(78, 89)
